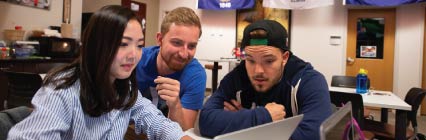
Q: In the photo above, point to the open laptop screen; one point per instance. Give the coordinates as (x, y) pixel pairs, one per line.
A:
(334, 127)
(280, 130)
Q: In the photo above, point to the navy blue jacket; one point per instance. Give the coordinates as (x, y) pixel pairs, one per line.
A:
(312, 98)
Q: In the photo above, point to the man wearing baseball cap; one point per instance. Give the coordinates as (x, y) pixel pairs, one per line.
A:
(271, 84)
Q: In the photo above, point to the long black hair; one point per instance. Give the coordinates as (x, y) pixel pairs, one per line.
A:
(100, 42)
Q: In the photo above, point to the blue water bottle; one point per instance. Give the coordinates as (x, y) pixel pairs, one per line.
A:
(361, 81)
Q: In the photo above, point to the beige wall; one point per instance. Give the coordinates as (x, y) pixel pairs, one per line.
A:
(33, 18)
(152, 24)
(408, 48)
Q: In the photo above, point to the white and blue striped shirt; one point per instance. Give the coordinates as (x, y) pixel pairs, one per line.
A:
(58, 115)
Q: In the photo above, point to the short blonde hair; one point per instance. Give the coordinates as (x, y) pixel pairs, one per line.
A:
(180, 16)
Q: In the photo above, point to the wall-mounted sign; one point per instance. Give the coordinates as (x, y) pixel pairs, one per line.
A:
(42, 4)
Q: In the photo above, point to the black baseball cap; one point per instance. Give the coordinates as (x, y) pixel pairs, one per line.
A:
(276, 35)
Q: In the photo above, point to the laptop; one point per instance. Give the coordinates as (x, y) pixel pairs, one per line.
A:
(275, 130)
(278, 130)
(334, 127)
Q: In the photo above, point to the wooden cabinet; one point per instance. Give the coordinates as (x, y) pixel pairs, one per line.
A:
(25, 65)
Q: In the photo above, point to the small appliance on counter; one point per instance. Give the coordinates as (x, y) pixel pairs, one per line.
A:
(56, 47)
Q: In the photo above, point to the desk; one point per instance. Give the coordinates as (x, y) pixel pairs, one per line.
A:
(388, 100)
(36, 65)
(216, 68)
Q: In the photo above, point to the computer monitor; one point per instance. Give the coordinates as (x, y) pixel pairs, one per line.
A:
(334, 127)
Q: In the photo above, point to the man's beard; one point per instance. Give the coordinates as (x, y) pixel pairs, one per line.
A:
(176, 66)
(271, 82)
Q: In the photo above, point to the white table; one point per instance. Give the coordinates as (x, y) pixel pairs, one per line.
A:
(385, 100)
(376, 98)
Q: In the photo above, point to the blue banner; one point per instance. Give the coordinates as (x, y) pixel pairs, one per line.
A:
(225, 4)
(382, 3)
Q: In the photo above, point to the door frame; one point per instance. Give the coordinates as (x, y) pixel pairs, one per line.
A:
(423, 106)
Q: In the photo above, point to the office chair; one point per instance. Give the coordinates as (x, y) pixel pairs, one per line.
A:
(339, 98)
(350, 82)
(382, 130)
(10, 117)
(21, 88)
